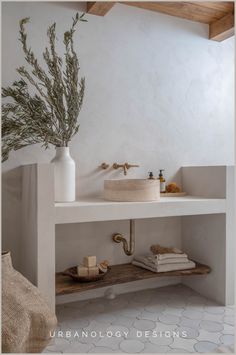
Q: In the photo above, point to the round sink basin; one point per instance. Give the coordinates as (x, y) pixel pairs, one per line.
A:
(132, 190)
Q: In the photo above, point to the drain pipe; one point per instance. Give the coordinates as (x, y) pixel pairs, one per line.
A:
(118, 238)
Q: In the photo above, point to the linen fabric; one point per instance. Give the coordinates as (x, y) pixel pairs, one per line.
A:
(26, 317)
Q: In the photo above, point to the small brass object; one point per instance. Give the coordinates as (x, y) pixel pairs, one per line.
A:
(125, 166)
(117, 166)
(104, 166)
(118, 238)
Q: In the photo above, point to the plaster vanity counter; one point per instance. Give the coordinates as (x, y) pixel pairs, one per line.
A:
(97, 209)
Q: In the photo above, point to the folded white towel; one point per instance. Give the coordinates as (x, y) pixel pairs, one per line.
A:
(155, 267)
(150, 259)
(184, 259)
(170, 256)
(166, 267)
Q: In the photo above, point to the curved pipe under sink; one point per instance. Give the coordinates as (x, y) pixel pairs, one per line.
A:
(128, 247)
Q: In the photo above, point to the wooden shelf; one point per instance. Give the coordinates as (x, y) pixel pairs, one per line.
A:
(121, 274)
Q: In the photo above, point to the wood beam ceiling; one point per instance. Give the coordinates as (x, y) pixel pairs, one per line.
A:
(219, 15)
(99, 8)
(222, 28)
(194, 11)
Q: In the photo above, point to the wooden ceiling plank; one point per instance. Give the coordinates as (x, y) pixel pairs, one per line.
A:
(223, 6)
(222, 28)
(188, 10)
(99, 8)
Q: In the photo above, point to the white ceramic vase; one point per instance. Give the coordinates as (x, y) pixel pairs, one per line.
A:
(64, 175)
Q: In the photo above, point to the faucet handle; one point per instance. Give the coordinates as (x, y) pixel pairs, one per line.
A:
(104, 166)
(116, 166)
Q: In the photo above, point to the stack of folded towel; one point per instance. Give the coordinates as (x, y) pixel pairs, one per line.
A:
(163, 260)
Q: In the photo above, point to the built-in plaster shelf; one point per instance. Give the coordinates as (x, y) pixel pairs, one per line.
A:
(94, 210)
(207, 227)
(120, 274)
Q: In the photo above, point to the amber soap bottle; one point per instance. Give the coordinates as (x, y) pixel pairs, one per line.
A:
(162, 181)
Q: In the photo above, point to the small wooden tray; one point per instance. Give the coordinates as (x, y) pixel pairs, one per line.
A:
(173, 194)
(72, 272)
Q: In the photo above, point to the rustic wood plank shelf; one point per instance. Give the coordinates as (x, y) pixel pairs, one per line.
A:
(121, 274)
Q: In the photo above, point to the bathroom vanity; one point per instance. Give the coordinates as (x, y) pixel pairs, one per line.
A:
(207, 225)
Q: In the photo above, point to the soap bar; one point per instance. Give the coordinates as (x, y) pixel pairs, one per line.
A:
(93, 271)
(82, 270)
(90, 261)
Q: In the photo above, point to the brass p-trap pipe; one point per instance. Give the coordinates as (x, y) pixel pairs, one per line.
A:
(118, 238)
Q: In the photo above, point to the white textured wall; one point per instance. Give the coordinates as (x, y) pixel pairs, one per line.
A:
(158, 93)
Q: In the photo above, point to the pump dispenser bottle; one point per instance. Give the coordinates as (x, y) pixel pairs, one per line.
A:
(150, 176)
(162, 181)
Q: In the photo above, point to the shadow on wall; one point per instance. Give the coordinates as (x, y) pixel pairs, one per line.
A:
(77, 6)
(11, 213)
(175, 178)
(191, 28)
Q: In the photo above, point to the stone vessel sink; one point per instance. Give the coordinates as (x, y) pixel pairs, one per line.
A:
(132, 190)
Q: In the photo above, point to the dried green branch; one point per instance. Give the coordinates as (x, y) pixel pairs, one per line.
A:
(50, 116)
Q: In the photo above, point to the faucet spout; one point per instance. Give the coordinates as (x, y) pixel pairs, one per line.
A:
(128, 166)
(125, 166)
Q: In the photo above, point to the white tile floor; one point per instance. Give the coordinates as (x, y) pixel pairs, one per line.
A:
(172, 319)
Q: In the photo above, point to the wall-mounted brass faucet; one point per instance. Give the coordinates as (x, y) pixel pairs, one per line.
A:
(125, 166)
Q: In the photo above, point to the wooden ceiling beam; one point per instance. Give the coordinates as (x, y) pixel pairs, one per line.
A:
(223, 28)
(99, 8)
(222, 6)
(193, 11)
(219, 15)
